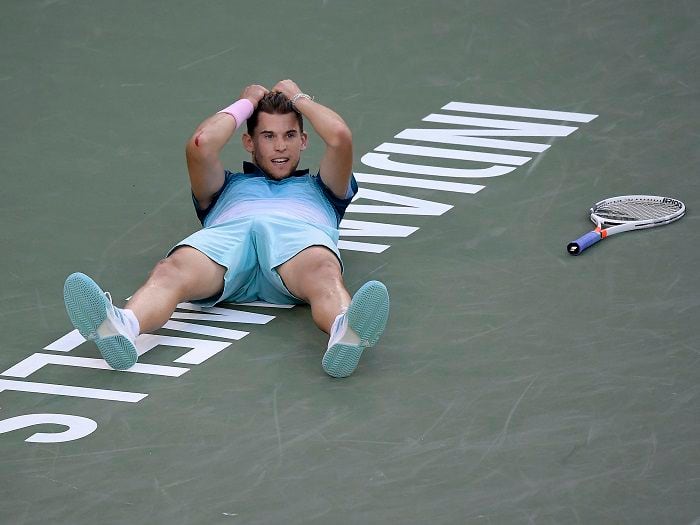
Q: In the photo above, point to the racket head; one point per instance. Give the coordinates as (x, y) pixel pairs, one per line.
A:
(638, 211)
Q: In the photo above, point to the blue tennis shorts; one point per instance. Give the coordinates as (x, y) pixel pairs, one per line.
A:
(251, 248)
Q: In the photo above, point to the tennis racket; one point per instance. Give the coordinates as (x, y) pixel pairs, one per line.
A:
(629, 212)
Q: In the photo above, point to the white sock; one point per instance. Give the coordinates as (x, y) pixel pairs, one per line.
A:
(132, 323)
(342, 333)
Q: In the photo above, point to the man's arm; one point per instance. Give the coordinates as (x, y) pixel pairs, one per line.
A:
(204, 146)
(336, 164)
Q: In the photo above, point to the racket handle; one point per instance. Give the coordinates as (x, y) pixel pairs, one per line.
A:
(583, 242)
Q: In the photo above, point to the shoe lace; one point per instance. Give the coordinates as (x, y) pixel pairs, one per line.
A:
(111, 310)
(115, 310)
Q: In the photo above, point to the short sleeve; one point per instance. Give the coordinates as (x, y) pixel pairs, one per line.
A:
(202, 214)
(339, 205)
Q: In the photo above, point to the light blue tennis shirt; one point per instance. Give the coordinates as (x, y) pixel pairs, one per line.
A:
(300, 197)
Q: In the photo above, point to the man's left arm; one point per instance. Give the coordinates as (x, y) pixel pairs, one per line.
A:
(336, 164)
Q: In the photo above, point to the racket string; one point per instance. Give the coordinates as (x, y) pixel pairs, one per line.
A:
(636, 210)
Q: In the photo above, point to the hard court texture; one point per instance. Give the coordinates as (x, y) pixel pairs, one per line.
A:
(514, 383)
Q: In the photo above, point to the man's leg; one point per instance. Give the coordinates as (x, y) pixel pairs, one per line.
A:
(314, 275)
(186, 275)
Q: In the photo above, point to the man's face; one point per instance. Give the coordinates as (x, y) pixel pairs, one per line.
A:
(276, 144)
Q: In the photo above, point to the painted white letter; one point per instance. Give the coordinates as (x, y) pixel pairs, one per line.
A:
(407, 182)
(461, 137)
(409, 205)
(34, 362)
(201, 350)
(504, 128)
(562, 116)
(374, 229)
(73, 391)
(382, 162)
(78, 427)
(458, 154)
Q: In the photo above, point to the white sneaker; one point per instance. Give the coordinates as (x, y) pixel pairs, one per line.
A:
(91, 311)
(358, 328)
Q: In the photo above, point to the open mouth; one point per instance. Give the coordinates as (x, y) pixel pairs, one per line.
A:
(280, 161)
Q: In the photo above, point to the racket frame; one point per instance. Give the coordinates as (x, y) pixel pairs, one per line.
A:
(618, 226)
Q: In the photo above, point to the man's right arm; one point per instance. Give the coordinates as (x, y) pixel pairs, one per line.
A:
(204, 147)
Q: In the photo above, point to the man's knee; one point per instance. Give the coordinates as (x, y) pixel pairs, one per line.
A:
(168, 272)
(190, 272)
(326, 267)
(319, 262)
(310, 270)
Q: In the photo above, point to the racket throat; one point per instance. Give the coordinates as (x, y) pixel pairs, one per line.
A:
(603, 232)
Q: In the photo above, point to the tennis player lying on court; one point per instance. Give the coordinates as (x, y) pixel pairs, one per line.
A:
(269, 233)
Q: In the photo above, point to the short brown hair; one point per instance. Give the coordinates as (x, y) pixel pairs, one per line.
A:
(275, 103)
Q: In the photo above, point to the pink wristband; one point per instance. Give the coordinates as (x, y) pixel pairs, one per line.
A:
(241, 110)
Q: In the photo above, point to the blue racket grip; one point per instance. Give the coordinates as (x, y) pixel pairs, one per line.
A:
(583, 242)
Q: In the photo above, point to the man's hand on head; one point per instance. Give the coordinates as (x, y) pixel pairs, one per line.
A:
(254, 93)
(288, 88)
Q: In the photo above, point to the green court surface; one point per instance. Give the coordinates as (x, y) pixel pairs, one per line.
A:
(514, 383)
